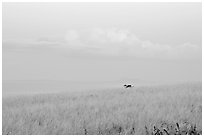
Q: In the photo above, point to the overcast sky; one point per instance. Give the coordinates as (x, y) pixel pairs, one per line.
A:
(102, 41)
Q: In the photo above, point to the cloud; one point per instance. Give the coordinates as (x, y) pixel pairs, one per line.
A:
(112, 36)
(122, 42)
(71, 36)
(47, 40)
(108, 42)
(29, 44)
(109, 35)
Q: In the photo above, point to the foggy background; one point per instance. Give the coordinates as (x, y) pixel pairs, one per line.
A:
(65, 46)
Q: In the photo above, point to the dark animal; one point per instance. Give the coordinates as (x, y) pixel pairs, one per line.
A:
(128, 86)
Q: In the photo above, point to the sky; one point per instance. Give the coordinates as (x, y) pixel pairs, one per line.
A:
(102, 41)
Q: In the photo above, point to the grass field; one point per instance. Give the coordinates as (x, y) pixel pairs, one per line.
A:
(169, 109)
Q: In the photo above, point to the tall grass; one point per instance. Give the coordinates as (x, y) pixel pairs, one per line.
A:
(139, 110)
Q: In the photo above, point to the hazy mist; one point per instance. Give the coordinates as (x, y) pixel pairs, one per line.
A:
(102, 41)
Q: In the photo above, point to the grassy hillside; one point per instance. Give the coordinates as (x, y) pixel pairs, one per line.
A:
(170, 109)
